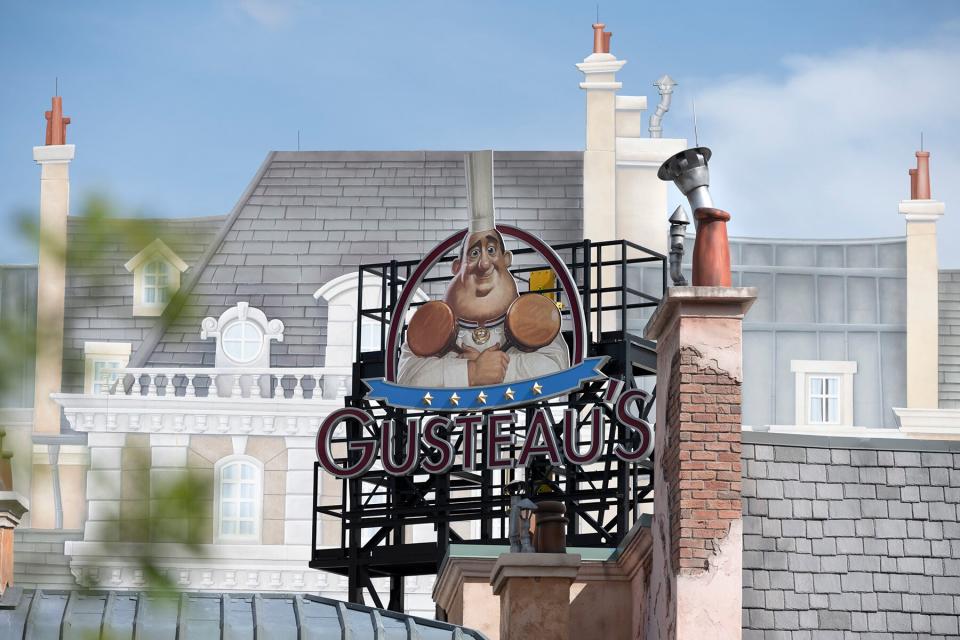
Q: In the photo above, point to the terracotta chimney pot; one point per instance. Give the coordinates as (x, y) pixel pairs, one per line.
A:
(598, 38)
(923, 175)
(913, 184)
(711, 249)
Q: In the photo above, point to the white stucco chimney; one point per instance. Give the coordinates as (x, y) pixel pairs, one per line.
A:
(641, 198)
(921, 213)
(54, 159)
(599, 157)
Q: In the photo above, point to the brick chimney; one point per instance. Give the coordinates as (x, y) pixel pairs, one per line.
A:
(696, 581)
(921, 213)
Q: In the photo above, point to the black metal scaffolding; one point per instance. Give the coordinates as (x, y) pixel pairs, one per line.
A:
(393, 527)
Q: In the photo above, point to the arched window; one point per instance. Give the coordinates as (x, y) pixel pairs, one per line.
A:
(239, 499)
(242, 340)
(243, 336)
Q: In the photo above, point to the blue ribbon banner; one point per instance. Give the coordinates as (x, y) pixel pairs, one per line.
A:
(495, 396)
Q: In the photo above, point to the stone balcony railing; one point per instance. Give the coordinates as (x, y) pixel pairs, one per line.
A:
(281, 402)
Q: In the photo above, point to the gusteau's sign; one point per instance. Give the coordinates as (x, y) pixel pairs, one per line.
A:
(486, 347)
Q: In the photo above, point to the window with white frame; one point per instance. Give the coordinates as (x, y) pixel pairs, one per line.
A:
(156, 282)
(156, 277)
(239, 499)
(824, 392)
(369, 335)
(103, 362)
(243, 335)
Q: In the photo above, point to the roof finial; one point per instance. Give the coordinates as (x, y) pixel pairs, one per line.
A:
(56, 122)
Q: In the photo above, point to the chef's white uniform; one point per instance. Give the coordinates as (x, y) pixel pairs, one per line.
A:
(450, 370)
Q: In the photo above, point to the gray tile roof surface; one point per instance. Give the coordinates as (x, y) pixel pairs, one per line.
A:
(99, 289)
(18, 320)
(309, 217)
(850, 540)
(69, 615)
(950, 339)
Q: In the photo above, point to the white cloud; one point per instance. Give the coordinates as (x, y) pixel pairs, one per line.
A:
(824, 150)
(272, 14)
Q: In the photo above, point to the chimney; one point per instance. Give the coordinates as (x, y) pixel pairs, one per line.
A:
(599, 160)
(534, 590)
(12, 507)
(921, 213)
(696, 588)
(600, 155)
(54, 160)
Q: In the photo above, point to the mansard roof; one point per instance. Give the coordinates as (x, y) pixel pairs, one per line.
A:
(53, 615)
(308, 217)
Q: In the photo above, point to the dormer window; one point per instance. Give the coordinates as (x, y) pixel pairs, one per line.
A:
(243, 336)
(156, 277)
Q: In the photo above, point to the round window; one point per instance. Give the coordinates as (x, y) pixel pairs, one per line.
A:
(242, 341)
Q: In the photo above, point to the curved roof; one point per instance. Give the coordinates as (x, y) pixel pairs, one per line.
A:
(65, 615)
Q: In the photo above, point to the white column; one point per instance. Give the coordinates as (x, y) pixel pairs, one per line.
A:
(922, 302)
(104, 487)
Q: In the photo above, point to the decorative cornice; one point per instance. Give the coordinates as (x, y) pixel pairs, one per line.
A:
(54, 154)
(180, 415)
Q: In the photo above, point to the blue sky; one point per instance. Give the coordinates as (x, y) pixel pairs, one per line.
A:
(813, 109)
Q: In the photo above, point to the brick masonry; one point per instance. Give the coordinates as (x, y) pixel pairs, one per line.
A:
(850, 540)
(703, 451)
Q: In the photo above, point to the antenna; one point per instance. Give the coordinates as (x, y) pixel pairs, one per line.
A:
(696, 132)
(921, 141)
(298, 139)
(598, 13)
(56, 85)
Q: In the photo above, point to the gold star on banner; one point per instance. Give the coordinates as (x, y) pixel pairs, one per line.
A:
(455, 400)
(508, 394)
(482, 398)
(427, 399)
(537, 388)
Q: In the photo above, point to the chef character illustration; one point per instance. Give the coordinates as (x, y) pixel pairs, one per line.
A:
(483, 332)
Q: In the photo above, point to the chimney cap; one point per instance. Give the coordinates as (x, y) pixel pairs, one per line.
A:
(680, 216)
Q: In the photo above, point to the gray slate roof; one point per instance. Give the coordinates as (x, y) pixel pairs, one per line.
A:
(950, 339)
(76, 615)
(18, 318)
(99, 300)
(308, 217)
(850, 538)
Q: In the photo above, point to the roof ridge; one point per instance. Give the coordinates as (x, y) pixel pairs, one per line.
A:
(157, 331)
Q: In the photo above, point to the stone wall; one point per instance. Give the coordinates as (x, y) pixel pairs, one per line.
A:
(850, 538)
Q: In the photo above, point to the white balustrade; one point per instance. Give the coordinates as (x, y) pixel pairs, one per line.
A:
(269, 384)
